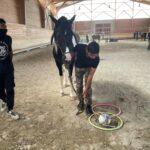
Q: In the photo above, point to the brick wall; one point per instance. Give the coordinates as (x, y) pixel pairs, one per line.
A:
(27, 12)
(33, 13)
(122, 26)
(25, 37)
(18, 31)
(128, 26)
(83, 27)
(12, 11)
(25, 22)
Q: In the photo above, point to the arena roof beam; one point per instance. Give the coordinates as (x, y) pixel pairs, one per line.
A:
(64, 3)
(142, 1)
(59, 3)
(56, 5)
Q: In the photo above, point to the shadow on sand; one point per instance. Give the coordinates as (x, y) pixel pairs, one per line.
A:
(134, 104)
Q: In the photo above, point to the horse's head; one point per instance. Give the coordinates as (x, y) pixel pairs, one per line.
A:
(63, 36)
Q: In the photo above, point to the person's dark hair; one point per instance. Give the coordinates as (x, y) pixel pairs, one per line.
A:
(2, 21)
(93, 47)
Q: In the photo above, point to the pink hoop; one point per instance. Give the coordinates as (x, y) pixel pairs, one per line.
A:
(110, 105)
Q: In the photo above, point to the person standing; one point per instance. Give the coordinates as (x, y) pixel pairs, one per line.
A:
(86, 61)
(6, 72)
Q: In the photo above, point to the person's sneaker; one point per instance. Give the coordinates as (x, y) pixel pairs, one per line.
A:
(13, 115)
(3, 106)
(88, 110)
(80, 106)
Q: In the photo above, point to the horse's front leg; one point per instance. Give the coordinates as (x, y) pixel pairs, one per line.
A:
(61, 86)
(60, 69)
(65, 77)
(72, 89)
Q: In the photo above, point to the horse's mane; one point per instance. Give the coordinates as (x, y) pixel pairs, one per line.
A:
(63, 33)
(62, 20)
(63, 23)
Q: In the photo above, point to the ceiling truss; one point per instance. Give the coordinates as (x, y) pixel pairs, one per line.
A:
(56, 5)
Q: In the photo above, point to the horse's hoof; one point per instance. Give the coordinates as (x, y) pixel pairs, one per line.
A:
(66, 85)
(72, 95)
(62, 94)
(73, 98)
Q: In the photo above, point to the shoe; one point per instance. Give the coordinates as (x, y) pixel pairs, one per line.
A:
(81, 106)
(88, 110)
(13, 115)
(3, 106)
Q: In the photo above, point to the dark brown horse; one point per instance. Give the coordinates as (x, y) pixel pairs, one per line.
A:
(64, 41)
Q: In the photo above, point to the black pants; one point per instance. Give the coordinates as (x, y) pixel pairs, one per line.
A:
(7, 84)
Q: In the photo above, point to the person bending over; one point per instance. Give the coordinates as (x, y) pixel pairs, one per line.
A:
(86, 62)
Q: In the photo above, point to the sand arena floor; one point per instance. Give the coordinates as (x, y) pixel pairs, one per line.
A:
(48, 121)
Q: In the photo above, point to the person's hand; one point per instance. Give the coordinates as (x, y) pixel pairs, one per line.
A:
(68, 56)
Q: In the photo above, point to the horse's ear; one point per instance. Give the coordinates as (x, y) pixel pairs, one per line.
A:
(72, 19)
(53, 19)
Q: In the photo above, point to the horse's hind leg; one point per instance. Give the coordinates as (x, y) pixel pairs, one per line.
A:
(72, 93)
